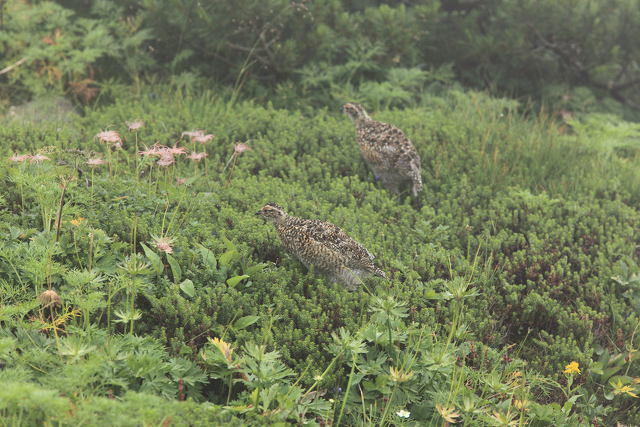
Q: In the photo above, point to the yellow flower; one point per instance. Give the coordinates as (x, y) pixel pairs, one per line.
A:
(516, 379)
(521, 404)
(628, 390)
(618, 388)
(224, 347)
(398, 376)
(572, 368)
(77, 221)
(447, 413)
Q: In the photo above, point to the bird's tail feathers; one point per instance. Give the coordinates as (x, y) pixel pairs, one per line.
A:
(416, 178)
(379, 273)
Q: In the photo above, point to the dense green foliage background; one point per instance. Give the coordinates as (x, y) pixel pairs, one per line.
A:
(565, 55)
(513, 291)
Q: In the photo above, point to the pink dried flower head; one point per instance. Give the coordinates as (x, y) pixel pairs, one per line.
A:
(96, 162)
(111, 137)
(154, 150)
(166, 159)
(193, 133)
(20, 158)
(37, 158)
(164, 247)
(165, 153)
(164, 244)
(180, 181)
(203, 139)
(149, 152)
(241, 148)
(49, 298)
(176, 151)
(135, 125)
(197, 156)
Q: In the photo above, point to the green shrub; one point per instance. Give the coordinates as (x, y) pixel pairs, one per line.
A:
(571, 56)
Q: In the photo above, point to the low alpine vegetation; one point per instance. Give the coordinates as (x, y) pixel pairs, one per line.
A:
(137, 285)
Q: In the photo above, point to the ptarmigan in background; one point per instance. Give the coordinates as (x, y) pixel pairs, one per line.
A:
(321, 244)
(388, 152)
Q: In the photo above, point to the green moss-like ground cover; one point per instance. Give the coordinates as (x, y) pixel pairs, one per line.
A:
(519, 257)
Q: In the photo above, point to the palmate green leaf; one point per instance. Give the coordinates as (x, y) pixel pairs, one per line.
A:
(154, 259)
(17, 311)
(187, 287)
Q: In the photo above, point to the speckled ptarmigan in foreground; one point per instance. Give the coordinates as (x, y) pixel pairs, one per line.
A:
(388, 152)
(321, 244)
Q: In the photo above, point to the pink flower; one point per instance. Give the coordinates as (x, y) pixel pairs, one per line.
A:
(203, 139)
(38, 158)
(164, 244)
(110, 136)
(153, 151)
(241, 148)
(166, 159)
(96, 162)
(193, 133)
(20, 158)
(163, 151)
(180, 181)
(164, 247)
(135, 125)
(176, 150)
(199, 136)
(197, 156)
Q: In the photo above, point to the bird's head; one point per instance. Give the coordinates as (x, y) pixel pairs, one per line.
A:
(272, 212)
(354, 111)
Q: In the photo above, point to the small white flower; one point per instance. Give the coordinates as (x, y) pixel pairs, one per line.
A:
(403, 414)
(331, 400)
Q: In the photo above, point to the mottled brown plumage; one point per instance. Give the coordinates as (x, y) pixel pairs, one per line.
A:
(388, 152)
(321, 244)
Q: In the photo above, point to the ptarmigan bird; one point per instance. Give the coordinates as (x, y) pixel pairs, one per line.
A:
(321, 244)
(388, 152)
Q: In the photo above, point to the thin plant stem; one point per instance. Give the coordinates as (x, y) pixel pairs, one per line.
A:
(388, 405)
(346, 392)
(230, 387)
(326, 371)
(60, 207)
